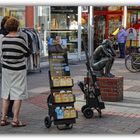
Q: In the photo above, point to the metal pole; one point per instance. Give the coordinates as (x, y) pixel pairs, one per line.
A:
(79, 31)
(90, 31)
(125, 17)
(35, 17)
(49, 20)
(3, 12)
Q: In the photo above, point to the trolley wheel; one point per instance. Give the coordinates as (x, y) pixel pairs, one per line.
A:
(69, 125)
(84, 107)
(47, 122)
(88, 113)
(65, 126)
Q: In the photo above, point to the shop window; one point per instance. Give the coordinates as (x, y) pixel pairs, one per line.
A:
(133, 18)
(64, 27)
(20, 15)
(114, 8)
(114, 23)
(99, 33)
(138, 17)
(59, 21)
(101, 8)
(64, 22)
(84, 8)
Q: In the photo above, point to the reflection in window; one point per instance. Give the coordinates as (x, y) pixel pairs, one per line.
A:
(64, 21)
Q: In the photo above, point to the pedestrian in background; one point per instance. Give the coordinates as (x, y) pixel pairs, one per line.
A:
(3, 32)
(14, 77)
(121, 38)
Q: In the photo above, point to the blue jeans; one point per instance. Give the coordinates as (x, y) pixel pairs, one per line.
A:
(122, 49)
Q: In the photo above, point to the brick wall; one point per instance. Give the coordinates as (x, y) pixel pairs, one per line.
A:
(111, 88)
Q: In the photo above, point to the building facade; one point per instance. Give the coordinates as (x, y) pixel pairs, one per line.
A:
(65, 24)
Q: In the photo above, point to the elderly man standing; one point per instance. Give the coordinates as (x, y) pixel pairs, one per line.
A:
(121, 38)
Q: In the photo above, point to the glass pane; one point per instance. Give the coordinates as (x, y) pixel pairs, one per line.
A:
(99, 33)
(114, 22)
(20, 15)
(58, 21)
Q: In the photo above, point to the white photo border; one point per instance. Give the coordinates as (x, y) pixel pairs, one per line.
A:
(72, 2)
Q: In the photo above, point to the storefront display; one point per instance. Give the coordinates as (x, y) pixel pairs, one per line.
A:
(15, 11)
(20, 15)
(99, 33)
(42, 25)
(64, 24)
(1, 14)
(133, 21)
(106, 20)
(66, 38)
(114, 23)
(58, 21)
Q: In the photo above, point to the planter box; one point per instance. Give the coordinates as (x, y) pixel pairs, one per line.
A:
(111, 88)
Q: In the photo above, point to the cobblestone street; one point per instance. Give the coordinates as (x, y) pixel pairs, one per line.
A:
(118, 117)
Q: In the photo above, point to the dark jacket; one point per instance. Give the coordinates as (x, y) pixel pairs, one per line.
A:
(3, 31)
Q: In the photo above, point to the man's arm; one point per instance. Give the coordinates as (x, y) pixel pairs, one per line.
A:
(113, 53)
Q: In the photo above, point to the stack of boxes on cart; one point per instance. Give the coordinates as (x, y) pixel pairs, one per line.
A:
(61, 83)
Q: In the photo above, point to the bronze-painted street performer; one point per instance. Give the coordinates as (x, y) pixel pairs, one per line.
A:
(103, 58)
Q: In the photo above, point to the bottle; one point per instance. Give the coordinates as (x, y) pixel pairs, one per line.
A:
(60, 114)
(65, 97)
(57, 97)
(68, 81)
(72, 113)
(57, 111)
(70, 97)
(66, 113)
(56, 81)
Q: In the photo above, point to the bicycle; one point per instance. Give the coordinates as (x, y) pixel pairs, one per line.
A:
(132, 60)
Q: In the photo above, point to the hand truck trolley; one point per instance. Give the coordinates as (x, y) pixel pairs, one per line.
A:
(91, 91)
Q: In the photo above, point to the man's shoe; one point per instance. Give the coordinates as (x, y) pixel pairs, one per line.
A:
(121, 57)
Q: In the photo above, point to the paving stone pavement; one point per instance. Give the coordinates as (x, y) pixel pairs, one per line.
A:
(117, 118)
